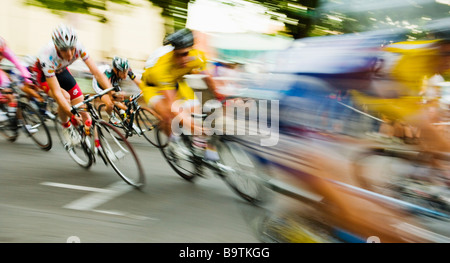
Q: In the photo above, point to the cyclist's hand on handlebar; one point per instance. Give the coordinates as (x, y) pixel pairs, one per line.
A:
(76, 119)
(119, 96)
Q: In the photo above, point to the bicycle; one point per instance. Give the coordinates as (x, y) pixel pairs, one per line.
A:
(235, 166)
(104, 140)
(410, 175)
(135, 114)
(25, 117)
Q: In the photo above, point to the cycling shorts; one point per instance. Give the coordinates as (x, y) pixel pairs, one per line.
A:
(65, 79)
(152, 94)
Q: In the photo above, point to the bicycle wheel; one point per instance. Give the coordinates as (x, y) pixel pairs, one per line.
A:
(147, 122)
(186, 168)
(120, 154)
(80, 153)
(116, 112)
(35, 127)
(241, 173)
(9, 130)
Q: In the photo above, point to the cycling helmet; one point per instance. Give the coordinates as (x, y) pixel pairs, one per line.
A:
(182, 38)
(64, 37)
(121, 64)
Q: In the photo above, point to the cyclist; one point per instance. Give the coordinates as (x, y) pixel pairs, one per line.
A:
(56, 80)
(162, 83)
(119, 71)
(412, 62)
(6, 52)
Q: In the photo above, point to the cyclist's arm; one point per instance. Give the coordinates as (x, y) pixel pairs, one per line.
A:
(9, 55)
(58, 96)
(212, 86)
(98, 75)
(133, 78)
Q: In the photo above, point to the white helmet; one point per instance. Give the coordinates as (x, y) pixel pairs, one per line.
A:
(64, 37)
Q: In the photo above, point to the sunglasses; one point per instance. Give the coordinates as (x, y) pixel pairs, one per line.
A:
(180, 55)
(66, 49)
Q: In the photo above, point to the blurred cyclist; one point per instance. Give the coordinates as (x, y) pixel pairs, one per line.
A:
(6, 52)
(162, 83)
(412, 62)
(56, 79)
(119, 71)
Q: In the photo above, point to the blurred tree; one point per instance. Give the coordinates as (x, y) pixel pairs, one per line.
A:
(90, 7)
(296, 14)
(175, 10)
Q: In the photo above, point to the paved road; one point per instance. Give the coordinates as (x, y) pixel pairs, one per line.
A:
(46, 197)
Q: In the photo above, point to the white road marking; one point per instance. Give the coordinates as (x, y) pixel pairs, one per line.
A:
(98, 197)
(90, 201)
(77, 187)
(423, 233)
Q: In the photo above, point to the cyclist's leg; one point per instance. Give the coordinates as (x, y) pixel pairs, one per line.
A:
(62, 115)
(32, 93)
(191, 105)
(68, 83)
(109, 105)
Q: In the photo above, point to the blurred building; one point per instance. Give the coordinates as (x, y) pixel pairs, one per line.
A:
(131, 31)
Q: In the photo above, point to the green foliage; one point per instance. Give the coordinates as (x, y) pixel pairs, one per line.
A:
(90, 7)
(175, 10)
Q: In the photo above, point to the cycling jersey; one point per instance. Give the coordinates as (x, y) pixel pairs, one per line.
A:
(407, 63)
(9, 55)
(164, 74)
(113, 78)
(51, 63)
(413, 60)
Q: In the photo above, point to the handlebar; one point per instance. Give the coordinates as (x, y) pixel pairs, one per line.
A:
(77, 106)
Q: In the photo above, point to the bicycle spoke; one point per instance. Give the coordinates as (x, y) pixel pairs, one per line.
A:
(120, 154)
(185, 168)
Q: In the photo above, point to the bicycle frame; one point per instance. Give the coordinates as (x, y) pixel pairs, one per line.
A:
(132, 108)
(94, 117)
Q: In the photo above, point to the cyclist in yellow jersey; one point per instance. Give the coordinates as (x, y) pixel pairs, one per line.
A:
(162, 81)
(410, 63)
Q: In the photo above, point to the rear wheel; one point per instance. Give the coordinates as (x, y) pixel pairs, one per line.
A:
(35, 127)
(80, 152)
(120, 154)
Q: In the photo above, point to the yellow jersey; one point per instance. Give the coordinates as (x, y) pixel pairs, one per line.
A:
(411, 62)
(164, 74)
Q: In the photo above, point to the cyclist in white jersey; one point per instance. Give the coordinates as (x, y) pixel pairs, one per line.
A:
(55, 78)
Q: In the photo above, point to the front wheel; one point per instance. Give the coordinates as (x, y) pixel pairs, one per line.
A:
(241, 173)
(9, 129)
(120, 154)
(147, 123)
(184, 167)
(80, 152)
